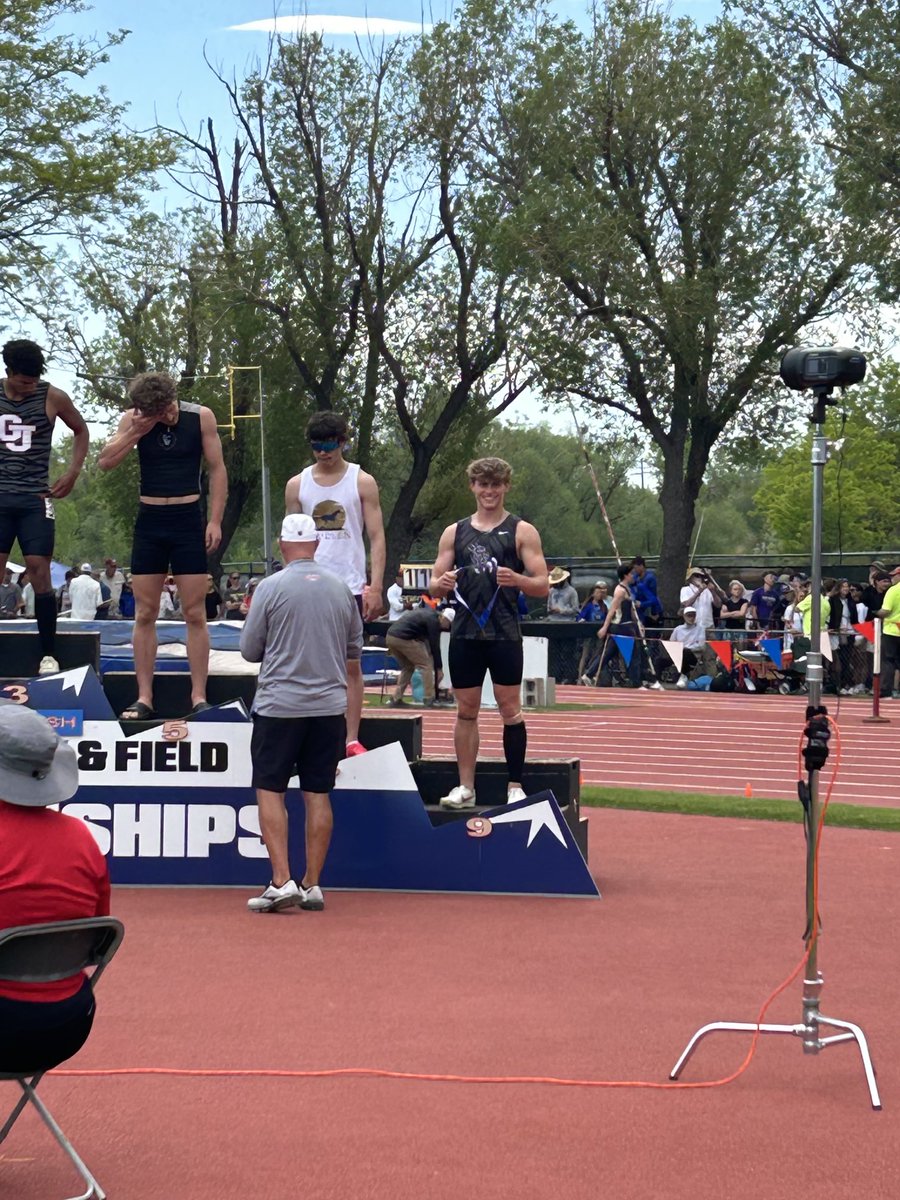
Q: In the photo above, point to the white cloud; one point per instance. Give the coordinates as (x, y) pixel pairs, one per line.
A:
(333, 26)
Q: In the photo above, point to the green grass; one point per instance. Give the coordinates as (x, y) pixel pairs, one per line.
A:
(850, 816)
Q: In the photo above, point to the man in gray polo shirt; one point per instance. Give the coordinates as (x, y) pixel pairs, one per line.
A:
(305, 629)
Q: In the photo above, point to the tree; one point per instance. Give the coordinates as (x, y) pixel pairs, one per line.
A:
(66, 161)
(674, 210)
(843, 57)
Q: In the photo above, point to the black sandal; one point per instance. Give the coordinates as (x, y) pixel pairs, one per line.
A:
(199, 707)
(139, 711)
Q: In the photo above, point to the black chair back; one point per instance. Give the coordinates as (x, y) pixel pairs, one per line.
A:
(58, 949)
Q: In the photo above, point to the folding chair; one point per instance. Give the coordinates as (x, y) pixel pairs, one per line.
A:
(43, 954)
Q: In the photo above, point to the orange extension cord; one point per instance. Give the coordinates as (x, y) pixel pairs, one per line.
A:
(419, 1076)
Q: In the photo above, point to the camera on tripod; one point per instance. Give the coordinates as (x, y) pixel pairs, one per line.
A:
(822, 367)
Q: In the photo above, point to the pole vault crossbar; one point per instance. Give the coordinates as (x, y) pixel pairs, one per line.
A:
(234, 417)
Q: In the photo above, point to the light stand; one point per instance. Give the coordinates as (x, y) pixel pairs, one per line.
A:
(815, 755)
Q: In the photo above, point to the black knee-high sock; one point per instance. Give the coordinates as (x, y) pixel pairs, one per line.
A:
(515, 742)
(45, 614)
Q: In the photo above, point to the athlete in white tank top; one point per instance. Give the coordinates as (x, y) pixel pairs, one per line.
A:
(338, 514)
(343, 501)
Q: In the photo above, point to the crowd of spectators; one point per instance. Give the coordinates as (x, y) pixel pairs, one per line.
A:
(90, 594)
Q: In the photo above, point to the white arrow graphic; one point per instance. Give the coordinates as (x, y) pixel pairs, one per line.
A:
(71, 679)
(539, 814)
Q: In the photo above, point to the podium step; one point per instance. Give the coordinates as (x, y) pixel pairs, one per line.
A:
(172, 691)
(20, 651)
(381, 730)
(436, 776)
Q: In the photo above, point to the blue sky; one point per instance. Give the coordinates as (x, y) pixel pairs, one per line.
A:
(159, 70)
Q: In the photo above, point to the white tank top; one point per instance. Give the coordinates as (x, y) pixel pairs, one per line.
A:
(337, 512)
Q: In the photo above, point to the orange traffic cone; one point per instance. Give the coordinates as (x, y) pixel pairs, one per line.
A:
(748, 792)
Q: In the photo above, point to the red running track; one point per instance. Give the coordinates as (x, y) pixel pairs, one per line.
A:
(700, 919)
(697, 742)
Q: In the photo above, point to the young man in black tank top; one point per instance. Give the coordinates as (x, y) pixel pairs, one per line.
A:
(28, 410)
(484, 561)
(171, 439)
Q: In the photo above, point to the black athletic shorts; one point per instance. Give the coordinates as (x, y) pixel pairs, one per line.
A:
(310, 747)
(169, 537)
(32, 520)
(471, 658)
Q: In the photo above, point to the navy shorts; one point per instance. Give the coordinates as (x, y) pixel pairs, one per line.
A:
(32, 520)
(310, 747)
(470, 659)
(169, 537)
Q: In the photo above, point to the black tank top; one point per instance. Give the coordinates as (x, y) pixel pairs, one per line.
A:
(25, 436)
(626, 608)
(170, 455)
(480, 553)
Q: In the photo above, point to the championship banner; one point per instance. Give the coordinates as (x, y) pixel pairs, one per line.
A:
(173, 805)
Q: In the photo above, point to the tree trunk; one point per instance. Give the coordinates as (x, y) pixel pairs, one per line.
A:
(402, 527)
(677, 498)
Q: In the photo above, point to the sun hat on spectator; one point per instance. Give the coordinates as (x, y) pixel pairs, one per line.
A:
(558, 575)
(690, 609)
(37, 767)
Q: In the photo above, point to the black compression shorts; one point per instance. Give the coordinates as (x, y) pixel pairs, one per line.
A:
(32, 520)
(310, 747)
(471, 658)
(169, 536)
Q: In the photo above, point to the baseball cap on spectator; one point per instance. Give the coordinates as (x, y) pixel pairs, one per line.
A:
(86, 569)
(36, 766)
(299, 527)
(690, 609)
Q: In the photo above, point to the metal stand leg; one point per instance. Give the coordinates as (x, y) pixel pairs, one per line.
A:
(94, 1191)
(808, 1031)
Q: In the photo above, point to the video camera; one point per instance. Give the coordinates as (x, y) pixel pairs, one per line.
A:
(822, 367)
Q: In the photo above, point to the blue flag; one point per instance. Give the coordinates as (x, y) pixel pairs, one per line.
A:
(772, 647)
(626, 647)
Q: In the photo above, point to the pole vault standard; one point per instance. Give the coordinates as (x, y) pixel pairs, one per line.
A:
(612, 537)
(263, 466)
(817, 733)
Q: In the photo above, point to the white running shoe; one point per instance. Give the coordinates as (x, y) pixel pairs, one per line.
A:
(458, 797)
(274, 899)
(682, 681)
(311, 898)
(49, 665)
(515, 794)
(656, 686)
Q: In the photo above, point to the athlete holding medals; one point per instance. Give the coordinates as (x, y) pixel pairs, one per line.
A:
(483, 562)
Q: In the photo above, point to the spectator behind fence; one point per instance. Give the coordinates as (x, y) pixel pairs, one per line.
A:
(126, 599)
(562, 599)
(395, 598)
(697, 658)
(212, 599)
(63, 596)
(734, 610)
(52, 871)
(84, 594)
(113, 578)
(702, 593)
(595, 608)
(24, 582)
(889, 612)
(10, 597)
(763, 601)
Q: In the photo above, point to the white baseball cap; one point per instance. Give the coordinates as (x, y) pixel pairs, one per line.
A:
(691, 609)
(299, 527)
(86, 569)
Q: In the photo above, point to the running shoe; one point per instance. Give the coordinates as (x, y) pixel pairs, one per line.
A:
(49, 665)
(274, 899)
(515, 794)
(458, 797)
(682, 681)
(354, 748)
(312, 899)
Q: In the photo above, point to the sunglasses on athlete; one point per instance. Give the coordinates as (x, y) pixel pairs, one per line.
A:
(325, 447)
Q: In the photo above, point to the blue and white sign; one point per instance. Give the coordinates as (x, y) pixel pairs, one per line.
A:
(174, 805)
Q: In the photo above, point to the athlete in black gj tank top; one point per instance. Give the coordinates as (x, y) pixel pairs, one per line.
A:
(477, 555)
(25, 436)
